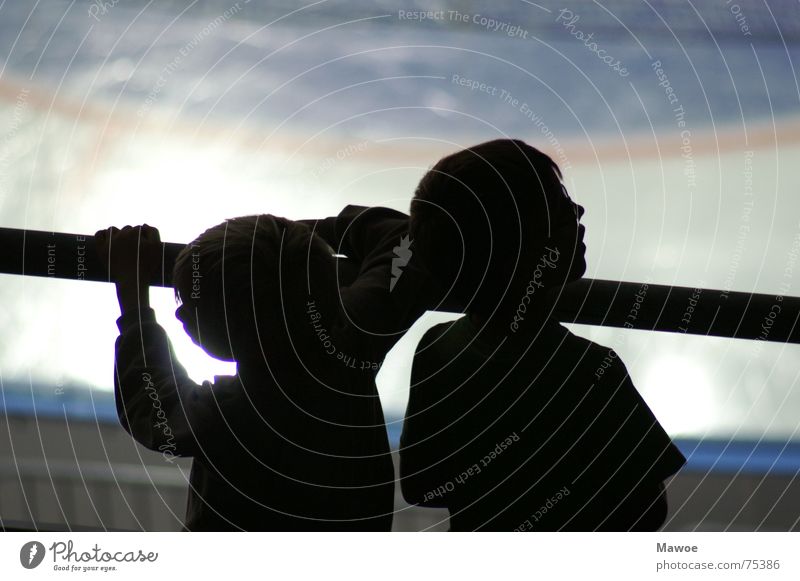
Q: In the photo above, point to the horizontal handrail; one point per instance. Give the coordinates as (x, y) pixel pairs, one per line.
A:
(29, 526)
(62, 255)
(93, 471)
(608, 303)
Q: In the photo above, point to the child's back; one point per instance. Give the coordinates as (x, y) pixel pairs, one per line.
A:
(521, 434)
(282, 449)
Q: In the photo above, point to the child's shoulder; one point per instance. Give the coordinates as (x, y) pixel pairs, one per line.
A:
(553, 340)
(579, 342)
(438, 343)
(447, 340)
(591, 356)
(434, 333)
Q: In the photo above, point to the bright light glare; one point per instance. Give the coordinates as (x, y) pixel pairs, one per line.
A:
(680, 394)
(199, 365)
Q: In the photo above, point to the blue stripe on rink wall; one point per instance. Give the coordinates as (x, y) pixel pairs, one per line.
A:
(747, 456)
(712, 455)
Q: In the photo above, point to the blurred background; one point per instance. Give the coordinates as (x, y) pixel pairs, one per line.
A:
(676, 124)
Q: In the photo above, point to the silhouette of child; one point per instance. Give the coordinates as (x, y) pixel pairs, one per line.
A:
(509, 423)
(296, 439)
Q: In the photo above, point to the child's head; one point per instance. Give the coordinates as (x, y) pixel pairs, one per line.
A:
(483, 218)
(243, 284)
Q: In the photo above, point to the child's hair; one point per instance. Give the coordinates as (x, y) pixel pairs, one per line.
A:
(254, 275)
(481, 217)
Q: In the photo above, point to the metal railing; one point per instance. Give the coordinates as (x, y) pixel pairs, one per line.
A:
(630, 305)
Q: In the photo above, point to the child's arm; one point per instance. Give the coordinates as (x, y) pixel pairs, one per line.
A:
(359, 233)
(388, 291)
(358, 230)
(157, 402)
